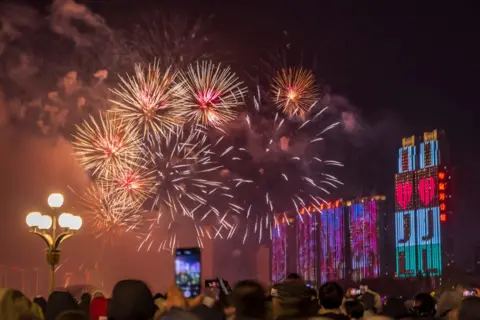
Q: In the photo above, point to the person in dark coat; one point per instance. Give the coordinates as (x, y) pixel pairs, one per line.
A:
(131, 300)
(41, 302)
(59, 302)
(84, 304)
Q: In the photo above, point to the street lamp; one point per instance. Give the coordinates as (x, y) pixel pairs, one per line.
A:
(40, 225)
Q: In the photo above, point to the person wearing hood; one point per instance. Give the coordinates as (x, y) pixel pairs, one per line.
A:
(14, 305)
(59, 302)
(131, 300)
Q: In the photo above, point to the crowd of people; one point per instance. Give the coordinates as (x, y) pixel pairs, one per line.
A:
(248, 300)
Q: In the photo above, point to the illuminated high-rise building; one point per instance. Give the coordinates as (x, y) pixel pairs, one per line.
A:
(422, 206)
(365, 225)
(279, 250)
(307, 247)
(332, 243)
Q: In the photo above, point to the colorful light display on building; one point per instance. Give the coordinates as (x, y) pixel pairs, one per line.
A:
(279, 252)
(332, 244)
(364, 236)
(307, 247)
(404, 209)
(420, 208)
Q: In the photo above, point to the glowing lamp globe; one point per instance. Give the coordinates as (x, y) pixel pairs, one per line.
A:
(65, 220)
(55, 200)
(76, 223)
(45, 222)
(33, 219)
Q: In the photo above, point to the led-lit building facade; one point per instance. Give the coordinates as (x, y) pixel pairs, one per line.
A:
(421, 208)
(279, 251)
(307, 247)
(334, 241)
(364, 229)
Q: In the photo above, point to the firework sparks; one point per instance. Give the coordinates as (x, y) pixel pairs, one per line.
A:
(286, 166)
(107, 214)
(187, 191)
(184, 168)
(295, 91)
(107, 146)
(213, 94)
(148, 99)
(134, 184)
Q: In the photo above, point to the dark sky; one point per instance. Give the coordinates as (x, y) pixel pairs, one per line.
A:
(406, 66)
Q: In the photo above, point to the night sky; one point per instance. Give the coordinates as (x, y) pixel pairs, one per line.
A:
(406, 67)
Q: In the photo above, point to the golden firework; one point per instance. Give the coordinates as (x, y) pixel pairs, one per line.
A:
(295, 91)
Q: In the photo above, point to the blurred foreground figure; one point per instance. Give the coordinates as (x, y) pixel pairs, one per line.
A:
(73, 315)
(131, 300)
(469, 309)
(58, 303)
(424, 307)
(248, 299)
(331, 299)
(291, 300)
(15, 306)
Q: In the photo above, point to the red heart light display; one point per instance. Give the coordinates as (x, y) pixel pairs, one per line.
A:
(426, 189)
(404, 194)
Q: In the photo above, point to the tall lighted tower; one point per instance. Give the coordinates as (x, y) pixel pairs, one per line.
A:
(422, 187)
(405, 234)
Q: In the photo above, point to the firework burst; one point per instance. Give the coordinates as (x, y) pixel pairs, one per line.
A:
(148, 100)
(213, 94)
(107, 146)
(295, 91)
(188, 191)
(135, 184)
(283, 169)
(107, 214)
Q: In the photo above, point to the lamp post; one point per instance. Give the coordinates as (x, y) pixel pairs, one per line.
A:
(41, 224)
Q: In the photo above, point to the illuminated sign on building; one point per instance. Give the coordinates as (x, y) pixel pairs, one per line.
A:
(443, 194)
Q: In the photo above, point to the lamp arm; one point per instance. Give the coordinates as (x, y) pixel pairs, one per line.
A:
(62, 237)
(45, 237)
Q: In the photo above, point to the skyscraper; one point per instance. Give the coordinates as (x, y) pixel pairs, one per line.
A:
(422, 195)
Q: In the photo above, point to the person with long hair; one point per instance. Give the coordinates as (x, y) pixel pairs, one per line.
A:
(14, 305)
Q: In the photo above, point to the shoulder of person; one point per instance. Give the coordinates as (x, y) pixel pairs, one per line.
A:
(331, 316)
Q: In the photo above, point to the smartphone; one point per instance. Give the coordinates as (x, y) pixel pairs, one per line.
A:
(188, 271)
(355, 292)
(224, 286)
(468, 293)
(212, 283)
